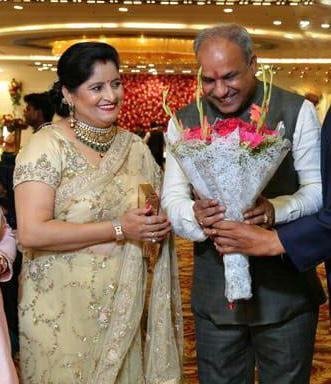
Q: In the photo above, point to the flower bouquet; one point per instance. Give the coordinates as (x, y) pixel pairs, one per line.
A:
(232, 161)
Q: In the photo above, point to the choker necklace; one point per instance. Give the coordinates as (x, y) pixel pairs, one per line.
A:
(99, 139)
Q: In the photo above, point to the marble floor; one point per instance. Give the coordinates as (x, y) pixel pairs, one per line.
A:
(321, 373)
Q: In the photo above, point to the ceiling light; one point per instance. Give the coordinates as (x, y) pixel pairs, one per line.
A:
(227, 10)
(18, 7)
(304, 23)
(325, 25)
(277, 22)
(123, 9)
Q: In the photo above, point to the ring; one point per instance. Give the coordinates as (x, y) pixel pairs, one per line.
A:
(153, 240)
(265, 218)
(201, 223)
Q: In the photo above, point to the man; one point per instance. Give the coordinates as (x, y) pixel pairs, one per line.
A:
(39, 110)
(277, 326)
(307, 241)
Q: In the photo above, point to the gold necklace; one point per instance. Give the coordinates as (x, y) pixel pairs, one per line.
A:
(99, 139)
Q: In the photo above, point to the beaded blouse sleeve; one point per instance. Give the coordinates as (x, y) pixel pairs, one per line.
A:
(40, 159)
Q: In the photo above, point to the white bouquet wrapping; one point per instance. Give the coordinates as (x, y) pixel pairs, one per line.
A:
(231, 161)
(223, 169)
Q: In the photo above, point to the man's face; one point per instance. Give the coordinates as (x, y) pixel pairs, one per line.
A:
(32, 116)
(228, 80)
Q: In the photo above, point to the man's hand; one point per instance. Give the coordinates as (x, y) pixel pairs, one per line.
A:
(251, 240)
(208, 212)
(262, 214)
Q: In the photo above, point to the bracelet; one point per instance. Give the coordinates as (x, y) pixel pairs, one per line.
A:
(3, 264)
(119, 235)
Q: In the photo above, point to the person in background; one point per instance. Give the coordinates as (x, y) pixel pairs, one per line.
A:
(306, 241)
(83, 276)
(39, 110)
(155, 141)
(7, 255)
(275, 329)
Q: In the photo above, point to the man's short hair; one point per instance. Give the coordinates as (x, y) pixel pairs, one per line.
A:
(232, 32)
(41, 102)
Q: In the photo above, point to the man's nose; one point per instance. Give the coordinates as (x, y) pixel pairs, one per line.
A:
(220, 89)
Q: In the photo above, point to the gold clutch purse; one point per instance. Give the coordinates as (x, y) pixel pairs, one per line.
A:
(147, 196)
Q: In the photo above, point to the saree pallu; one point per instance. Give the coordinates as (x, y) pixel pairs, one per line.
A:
(80, 312)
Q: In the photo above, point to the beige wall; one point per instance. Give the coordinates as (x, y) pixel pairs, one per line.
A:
(33, 81)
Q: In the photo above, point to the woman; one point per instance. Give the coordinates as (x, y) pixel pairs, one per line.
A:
(83, 278)
(7, 256)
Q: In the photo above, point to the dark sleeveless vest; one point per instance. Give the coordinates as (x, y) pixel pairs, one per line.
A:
(279, 291)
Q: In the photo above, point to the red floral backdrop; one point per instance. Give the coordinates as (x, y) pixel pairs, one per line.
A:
(143, 99)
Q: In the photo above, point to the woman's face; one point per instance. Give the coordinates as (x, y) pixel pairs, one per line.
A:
(98, 100)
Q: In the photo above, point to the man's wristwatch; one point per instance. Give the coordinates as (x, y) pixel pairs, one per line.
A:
(119, 235)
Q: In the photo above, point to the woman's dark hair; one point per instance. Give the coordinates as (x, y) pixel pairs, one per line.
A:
(75, 66)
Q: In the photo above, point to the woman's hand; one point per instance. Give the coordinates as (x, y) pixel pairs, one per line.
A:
(262, 214)
(251, 240)
(138, 224)
(208, 212)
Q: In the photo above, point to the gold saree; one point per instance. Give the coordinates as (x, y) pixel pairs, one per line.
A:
(80, 312)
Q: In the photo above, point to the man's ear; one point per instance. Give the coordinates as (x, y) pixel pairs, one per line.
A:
(253, 64)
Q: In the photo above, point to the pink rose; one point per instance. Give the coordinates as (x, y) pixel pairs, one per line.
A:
(252, 139)
(225, 127)
(192, 134)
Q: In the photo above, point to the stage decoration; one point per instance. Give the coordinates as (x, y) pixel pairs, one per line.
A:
(230, 160)
(10, 132)
(15, 92)
(143, 99)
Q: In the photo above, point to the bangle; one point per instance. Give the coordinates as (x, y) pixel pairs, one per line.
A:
(119, 235)
(3, 264)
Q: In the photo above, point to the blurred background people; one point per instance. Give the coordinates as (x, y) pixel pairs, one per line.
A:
(155, 141)
(39, 110)
(7, 255)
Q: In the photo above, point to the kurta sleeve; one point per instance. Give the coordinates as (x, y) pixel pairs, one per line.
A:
(40, 160)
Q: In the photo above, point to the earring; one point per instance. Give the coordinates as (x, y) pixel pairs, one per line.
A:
(71, 115)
